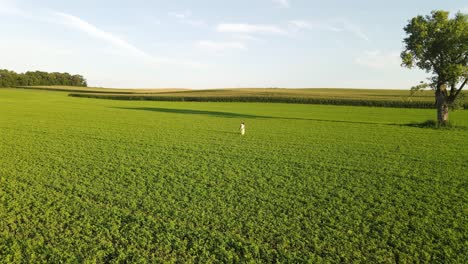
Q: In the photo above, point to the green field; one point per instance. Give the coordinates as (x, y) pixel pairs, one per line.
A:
(91, 180)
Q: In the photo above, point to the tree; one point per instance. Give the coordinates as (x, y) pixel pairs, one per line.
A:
(12, 79)
(438, 44)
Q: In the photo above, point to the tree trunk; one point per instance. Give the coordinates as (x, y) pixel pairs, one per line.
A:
(442, 108)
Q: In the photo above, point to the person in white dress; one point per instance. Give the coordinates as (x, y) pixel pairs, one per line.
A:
(242, 128)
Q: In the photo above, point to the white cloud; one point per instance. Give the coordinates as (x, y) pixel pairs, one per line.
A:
(340, 25)
(246, 37)
(92, 30)
(185, 17)
(220, 46)
(302, 24)
(250, 28)
(377, 59)
(182, 15)
(357, 31)
(9, 8)
(282, 3)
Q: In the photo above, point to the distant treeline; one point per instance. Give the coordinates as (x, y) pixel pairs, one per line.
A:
(13, 79)
(260, 99)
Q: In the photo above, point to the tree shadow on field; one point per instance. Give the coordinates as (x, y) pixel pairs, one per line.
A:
(194, 112)
(432, 124)
(240, 116)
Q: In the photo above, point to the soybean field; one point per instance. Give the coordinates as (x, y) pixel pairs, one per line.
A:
(86, 180)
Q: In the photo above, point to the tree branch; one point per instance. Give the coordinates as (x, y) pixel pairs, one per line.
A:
(436, 69)
(459, 89)
(452, 88)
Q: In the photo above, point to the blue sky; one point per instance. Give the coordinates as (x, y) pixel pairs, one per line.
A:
(215, 43)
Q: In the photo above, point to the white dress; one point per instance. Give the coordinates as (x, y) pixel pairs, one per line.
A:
(242, 129)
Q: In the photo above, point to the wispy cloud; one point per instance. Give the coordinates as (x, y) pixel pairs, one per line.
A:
(356, 30)
(220, 46)
(9, 8)
(282, 3)
(246, 37)
(186, 17)
(93, 31)
(377, 59)
(250, 29)
(302, 24)
(339, 25)
(182, 15)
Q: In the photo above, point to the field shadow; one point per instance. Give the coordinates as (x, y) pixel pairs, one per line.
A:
(194, 112)
(432, 124)
(240, 116)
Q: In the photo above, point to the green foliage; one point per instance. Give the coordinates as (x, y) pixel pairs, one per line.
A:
(459, 103)
(419, 88)
(106, 181)
(13, 79)
(439, 45)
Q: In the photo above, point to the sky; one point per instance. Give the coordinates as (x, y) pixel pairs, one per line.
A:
(215, 43)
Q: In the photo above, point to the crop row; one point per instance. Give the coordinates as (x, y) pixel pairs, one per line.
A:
(261, 99)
